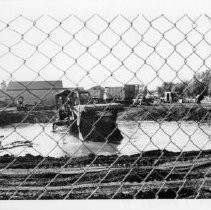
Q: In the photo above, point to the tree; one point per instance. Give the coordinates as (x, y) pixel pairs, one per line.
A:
(205, 78)
(197, 87)
(165, 87)
(181, 88)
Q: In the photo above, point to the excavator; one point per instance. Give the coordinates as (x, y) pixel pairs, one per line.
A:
(94, 122)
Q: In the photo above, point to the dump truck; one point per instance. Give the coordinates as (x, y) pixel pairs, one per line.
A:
(95, 122)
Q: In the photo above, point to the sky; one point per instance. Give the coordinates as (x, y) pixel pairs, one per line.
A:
(140, 46)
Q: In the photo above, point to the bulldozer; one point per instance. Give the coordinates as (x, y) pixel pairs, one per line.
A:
(94, 122)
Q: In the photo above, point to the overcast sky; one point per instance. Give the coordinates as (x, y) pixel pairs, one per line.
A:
(108, 60)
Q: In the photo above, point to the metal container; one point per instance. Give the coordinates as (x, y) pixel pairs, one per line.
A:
(113, 93)
(96, 93)
(128, 92)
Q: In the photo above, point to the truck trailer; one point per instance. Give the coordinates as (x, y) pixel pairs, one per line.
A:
(124, 95)
(96, 94)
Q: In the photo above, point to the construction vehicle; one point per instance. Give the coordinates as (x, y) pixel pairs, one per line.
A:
(143, 100)
(144, 97)
(95, 122)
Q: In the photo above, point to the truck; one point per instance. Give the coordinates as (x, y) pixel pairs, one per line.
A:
(124, 95)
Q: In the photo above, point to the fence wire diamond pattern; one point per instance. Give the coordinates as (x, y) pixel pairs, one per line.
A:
(145, 135)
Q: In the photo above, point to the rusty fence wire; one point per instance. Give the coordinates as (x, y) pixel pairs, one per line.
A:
(158, 147)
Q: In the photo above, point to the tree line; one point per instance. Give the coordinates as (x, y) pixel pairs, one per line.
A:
(198, 85)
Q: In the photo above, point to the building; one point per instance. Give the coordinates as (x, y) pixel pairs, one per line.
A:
(168, 96)
(33, 92)
(2, 98)
(2, 95)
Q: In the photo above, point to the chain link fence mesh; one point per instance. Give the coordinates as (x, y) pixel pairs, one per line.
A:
(164, 146)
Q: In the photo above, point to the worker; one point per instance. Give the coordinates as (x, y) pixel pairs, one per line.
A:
(20, 102)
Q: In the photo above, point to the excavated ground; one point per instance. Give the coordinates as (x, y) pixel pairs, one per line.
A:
(153, 174)
(167, 112)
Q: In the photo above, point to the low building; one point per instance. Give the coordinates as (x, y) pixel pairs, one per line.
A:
(2, 98)
(2, 95)
(33, 92)
(168, 96)
(3, 87)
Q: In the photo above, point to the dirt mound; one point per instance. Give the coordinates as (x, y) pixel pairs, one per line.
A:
(154, 174)
(170, 112)
(9, 117)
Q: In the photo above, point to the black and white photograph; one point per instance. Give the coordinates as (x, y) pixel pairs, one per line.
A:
(107, 102)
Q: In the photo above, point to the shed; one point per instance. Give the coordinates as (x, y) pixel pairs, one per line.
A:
(40, 92)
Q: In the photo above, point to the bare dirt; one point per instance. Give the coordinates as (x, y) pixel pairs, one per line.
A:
(153, 174)
(9, 117)
(163, 112)
(168, 112)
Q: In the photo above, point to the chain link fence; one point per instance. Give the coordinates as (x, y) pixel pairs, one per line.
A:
(105, 107)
